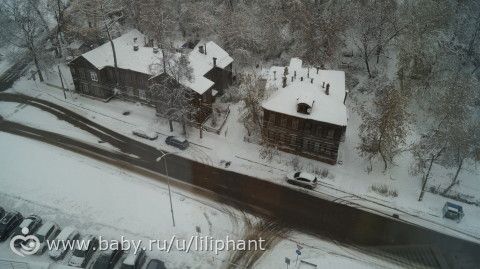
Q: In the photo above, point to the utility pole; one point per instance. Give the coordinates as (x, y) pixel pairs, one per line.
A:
(61, 80)
(168, 182)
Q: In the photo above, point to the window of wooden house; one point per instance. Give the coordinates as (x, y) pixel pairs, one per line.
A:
(205, 98)
(317, 147)
(293, 140)
(330, 133)
(142, 94)
(93, 76)
(295, 124)
(318, 131)
(272, 119)
(283, 121)
(73, 70)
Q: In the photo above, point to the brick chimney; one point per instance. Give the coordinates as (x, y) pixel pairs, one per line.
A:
(311, 80)
(205, 48)
(327, 90)
(274, 75)
(135, 44)
(301, 78)
(214, 61)
(284, 82)
(318, 68)
(201, 49)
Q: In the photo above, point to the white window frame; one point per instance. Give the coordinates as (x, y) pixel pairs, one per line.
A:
(93, 76)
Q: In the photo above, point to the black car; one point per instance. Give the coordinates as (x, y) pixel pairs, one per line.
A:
(108, 259)
(177, 142)
(84, 251)
(8, 223)
(32, 223)
(156, 264)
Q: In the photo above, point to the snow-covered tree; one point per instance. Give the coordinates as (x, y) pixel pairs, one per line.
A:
(384, 129)
(254, 92)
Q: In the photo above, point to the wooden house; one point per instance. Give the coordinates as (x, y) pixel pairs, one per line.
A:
(306, 115)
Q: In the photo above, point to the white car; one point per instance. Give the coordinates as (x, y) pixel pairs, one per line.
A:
(45, 233)
(145, 134)
(68, 234)
(84, 251)
(302, 179)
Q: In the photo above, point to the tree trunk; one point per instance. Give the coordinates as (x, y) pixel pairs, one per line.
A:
(184, 127)
(455, 178)
(366, 58)
(114, 55)
(170, 124)
(37, 65)
(425, 179)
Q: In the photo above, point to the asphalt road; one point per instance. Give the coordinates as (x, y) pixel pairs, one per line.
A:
(292, 208)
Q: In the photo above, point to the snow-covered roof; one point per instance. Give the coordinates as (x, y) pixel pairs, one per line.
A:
(325, 108)
(142, 59)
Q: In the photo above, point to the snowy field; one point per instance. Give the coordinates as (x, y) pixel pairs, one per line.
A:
(346, 183)
(109, 201)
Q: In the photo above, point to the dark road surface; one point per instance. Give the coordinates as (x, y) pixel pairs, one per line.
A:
(292, 208)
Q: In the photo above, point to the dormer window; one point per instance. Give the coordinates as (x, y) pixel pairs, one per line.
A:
(304, 108)
(93, 76)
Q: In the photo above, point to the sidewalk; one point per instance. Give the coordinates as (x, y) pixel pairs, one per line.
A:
(347, 183)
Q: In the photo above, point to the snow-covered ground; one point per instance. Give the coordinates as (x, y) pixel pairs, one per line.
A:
(105, 200)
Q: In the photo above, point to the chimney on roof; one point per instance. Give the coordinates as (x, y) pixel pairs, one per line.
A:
(274, 75)
(327, 90)
(345, 99)
(292, 78)
(201, 49)
(318, 68)
(311, 80)
(295, 73)
(205, 48)
(284, 82)
(323, 84)
(308, 72)
(285, 71)
(301, 78)
(214, 61)
(155, 49)
(135, 45)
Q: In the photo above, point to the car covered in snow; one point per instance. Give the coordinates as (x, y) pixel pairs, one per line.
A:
(177, 142)
(134, 260)
(47, 232)
(156, 264)
(108, 259)
(32, 223)
(8, 223)
(302, 179)
(84, 251)
(68, 234)
(145, 134)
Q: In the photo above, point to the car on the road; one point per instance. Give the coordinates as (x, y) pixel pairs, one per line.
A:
(134, 260)
(302, 179)
(84, 251)
(8, 223)
(156, 264)
(31, 223)
(177, 142)
(108, 259)
(47, 232)
(67, 235)
(145, 134)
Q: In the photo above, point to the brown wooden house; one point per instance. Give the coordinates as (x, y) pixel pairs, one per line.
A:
(306, 115)
(140, 66)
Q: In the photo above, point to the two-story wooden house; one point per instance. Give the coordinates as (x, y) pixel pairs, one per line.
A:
(307, 114)
(139, 66)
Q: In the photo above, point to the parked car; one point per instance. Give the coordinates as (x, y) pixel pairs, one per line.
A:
(177, 142)
(145, 134)
(2, 212)
(302, 179)
(134, 260)
(46, 232)
(8, 223)
(84, 251)
(68, 234)
(156, 264)
(453, 211)
(108, 259)
(32, 223)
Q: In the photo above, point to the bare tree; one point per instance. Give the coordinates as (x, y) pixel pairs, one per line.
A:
(253, 89)
(27, 29)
